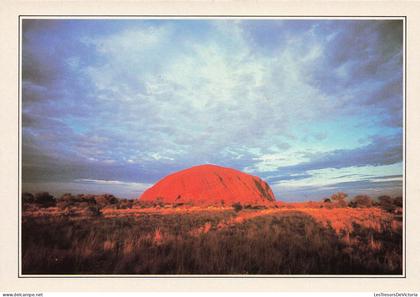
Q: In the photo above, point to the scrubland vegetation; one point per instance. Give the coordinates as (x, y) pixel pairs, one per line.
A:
(101, 234)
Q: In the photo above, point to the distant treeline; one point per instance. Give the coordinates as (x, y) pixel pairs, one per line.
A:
(94, 203)
(385, 202)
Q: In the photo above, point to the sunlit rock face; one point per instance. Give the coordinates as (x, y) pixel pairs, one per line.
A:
(210, 185)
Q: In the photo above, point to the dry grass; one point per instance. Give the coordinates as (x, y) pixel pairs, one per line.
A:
(288, 240)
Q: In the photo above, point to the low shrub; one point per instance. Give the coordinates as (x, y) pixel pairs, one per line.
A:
(44, 199)
(237, 206)
(28, 198)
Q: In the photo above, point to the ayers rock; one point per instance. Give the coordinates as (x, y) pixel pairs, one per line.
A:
(210, 185)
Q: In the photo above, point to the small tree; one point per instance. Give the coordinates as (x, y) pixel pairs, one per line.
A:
(361, 201)
(105, 200)
(66, 200)
(44, 199)
(339, 199)
(386, 203)
(398, 201)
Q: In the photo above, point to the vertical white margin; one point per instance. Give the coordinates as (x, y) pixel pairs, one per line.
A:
(404, 85)
(20, 146)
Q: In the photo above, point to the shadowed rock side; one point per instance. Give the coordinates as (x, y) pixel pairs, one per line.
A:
(210, 185)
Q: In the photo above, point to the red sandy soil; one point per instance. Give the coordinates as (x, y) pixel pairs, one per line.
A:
(210, 185)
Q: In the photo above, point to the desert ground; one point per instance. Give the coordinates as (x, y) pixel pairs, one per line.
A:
(101, 234)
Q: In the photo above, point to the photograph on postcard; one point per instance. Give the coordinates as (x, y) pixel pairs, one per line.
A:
(244, 146)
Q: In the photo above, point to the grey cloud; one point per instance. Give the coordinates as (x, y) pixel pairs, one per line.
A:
(353, 188)
(381, 151)
(87, 121)
(287, 177)
(369, 51)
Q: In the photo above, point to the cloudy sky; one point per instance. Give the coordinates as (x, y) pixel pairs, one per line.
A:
(311, 106)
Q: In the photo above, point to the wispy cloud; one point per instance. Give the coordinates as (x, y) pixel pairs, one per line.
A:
(132, 101)
(142, 186)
